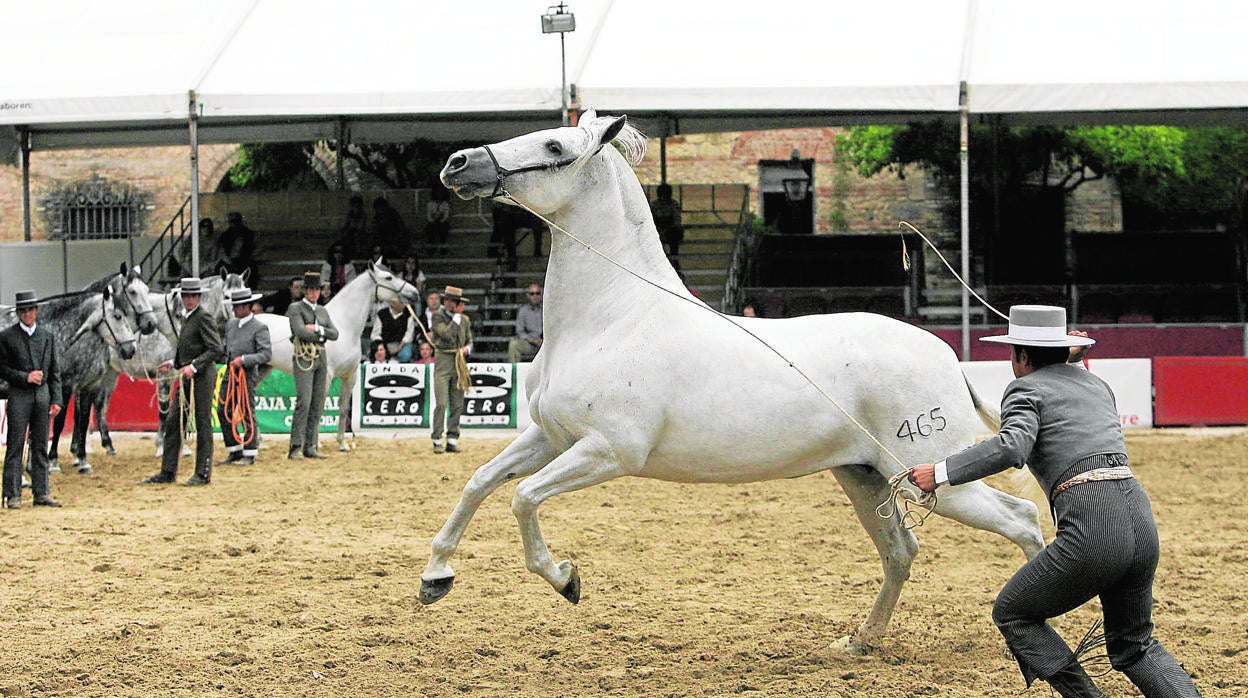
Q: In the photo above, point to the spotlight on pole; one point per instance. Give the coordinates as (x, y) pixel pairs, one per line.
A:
(558, 20)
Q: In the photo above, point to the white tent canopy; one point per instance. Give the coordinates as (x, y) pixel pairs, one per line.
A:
(90, 74)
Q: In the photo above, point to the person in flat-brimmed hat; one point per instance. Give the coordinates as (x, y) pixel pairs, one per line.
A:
(247, 346)
(311, 327)
(195, 360)
(28, 362)
(1062, 422)
(452, 341)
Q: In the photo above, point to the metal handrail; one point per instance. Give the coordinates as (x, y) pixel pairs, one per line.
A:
(744, 249)
(166, 246)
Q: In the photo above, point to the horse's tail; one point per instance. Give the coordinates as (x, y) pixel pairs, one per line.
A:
(990, 415)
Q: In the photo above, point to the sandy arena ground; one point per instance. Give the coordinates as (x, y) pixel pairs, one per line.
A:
(301, 579)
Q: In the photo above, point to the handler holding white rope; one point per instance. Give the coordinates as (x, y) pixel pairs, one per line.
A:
(1062, 421)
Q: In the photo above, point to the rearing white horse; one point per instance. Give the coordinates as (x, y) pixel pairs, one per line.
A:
(631, 359)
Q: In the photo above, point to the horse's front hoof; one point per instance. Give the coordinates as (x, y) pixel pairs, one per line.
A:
(848, 645)
(433, 589)
(110, 450)
(84, 468)
(572, 590)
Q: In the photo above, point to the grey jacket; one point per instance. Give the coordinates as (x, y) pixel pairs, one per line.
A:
(250, 341)
(1050, 419)
(301, 315)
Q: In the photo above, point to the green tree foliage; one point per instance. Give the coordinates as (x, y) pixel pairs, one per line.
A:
(1180, 176)
(280, 166)
(269, 166)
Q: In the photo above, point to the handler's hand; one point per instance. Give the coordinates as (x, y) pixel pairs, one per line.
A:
(54, 410)
(187, 371)
(35, 377)
(1077, 353)
(236, 361)
(923, 476)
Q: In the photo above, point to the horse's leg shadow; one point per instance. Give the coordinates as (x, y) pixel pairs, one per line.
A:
(526, 455)
(896, 546)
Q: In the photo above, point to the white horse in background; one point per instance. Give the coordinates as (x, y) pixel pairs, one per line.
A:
(350, 310)
(631, 360)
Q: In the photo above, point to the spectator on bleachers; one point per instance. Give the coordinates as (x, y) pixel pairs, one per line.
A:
(337, 268)
(411, 273)
(528, 224)
(278, 301)
(433, 303)
(395, 326)
(438, 221)
(326, 294)
(528, 327)
(666, 213)
(377, 353)
(389, 231)
(236, 249)
(748, 310)
(426, 353)
(505, 219)
(354, 231)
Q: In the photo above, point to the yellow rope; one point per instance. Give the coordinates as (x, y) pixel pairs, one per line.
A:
(305, 354)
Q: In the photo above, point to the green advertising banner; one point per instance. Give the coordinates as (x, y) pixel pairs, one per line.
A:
(275, 403)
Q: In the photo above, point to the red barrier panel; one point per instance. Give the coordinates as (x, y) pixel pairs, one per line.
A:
(1200, 390)
(133, 406)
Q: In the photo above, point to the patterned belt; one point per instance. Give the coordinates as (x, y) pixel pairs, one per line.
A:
(1121, 472)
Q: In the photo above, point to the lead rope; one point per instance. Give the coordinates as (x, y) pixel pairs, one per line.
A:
(236, 405)
(911, 509)
(305, 354)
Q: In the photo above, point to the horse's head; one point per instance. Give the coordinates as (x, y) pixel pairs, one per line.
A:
(109, 322)
(132, 295)
(539, 168)
(216, 297)
(390, 286)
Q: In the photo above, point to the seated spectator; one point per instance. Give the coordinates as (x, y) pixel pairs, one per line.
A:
(377, 353)
(666, 213)
(426, 353)
(389, 231)
(326, 294)
(278, 301)
(748, 310)
(528, 328)
(433, 303)
(411, 273)
(438, 221)
(236, 249)
(353, 234)
(396, 328)
(337, 268)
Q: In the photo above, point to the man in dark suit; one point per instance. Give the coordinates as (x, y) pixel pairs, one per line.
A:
(279, 301)
(28, 362)
(310, 328)
(1062, 422)
(195, 360)
(247, 346)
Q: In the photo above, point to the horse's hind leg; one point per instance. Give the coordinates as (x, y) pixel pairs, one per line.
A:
(589, 462)
(526, 455)
(101, 412)
(976, 504)
(346, 396)
(897, 547)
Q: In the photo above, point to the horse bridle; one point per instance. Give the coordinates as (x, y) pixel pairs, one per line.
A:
(502, 173)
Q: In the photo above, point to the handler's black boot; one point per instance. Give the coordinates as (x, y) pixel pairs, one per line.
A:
(1071, 681)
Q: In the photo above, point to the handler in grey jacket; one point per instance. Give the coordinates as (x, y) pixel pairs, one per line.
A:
(310, 328)
(247, 346)
(1062, 421)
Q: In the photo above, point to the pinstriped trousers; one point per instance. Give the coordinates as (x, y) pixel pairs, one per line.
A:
(1106, 546)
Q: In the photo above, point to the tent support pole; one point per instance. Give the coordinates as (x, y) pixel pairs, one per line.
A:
(24, 138)
(663, 159)
(964, 172)
(193, 126)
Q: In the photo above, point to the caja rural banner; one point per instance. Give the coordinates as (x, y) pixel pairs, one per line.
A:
(401, 395)
(275, 404)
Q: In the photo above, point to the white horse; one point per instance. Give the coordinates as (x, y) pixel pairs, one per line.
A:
(631, 361)
(350, 309)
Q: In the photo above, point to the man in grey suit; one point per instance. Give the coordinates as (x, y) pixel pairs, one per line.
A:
(195, 360)
(247, 346)
(1062, 422)
(452, 340)
(310, 328)
(28, 362)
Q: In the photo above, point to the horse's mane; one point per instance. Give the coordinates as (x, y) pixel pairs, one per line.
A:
(630, 142)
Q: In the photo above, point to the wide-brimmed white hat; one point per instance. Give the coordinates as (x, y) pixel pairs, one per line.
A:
(1038, 326)
(242, 295)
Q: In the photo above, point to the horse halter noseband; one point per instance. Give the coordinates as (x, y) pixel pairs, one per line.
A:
(502, 173)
